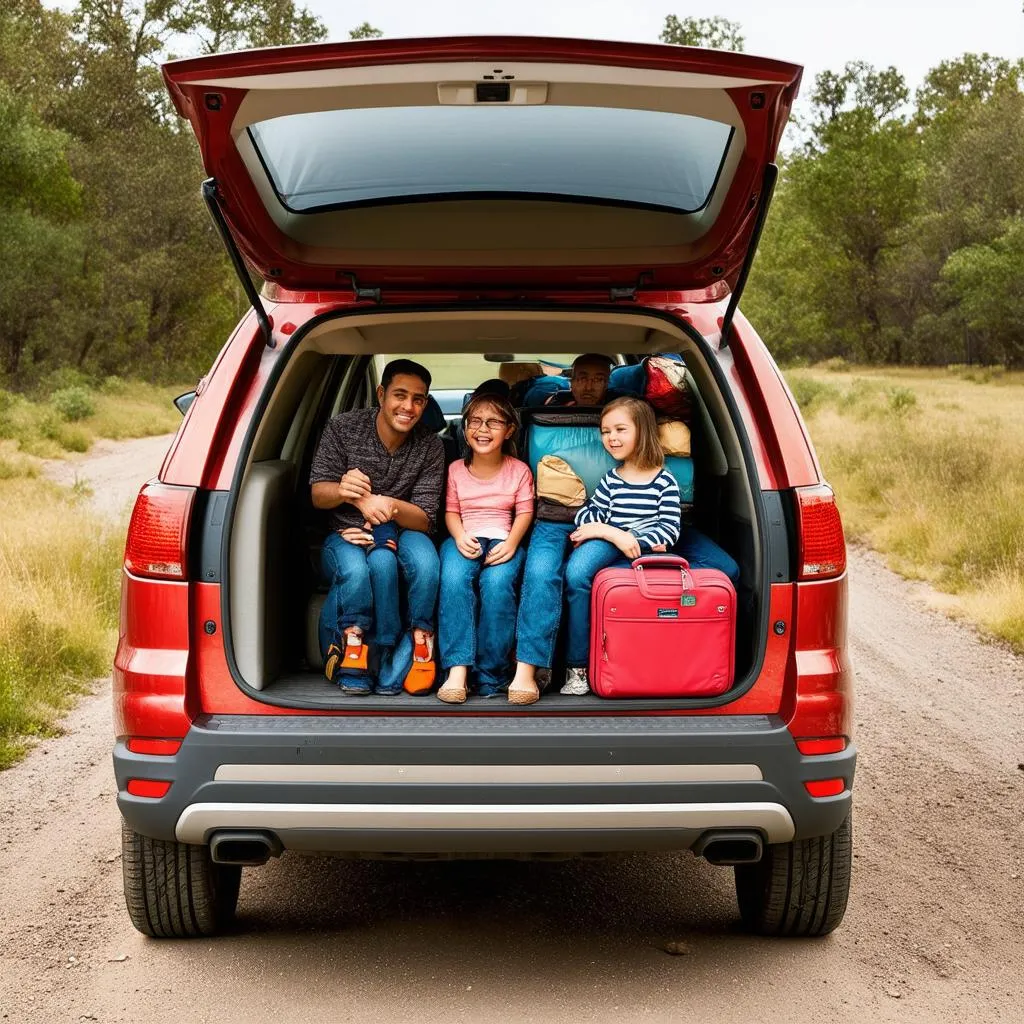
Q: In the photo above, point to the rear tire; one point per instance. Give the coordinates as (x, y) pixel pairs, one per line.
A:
(798, 889)
(174, 890)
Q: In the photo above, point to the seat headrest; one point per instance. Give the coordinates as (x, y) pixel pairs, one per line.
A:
(433, 418)
(513, 373)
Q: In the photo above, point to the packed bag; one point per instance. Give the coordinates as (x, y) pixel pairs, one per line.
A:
(667, 388)
(674, 437)
(560, 492)
(662, 629)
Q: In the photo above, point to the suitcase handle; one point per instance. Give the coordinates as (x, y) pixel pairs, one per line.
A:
(662, 562)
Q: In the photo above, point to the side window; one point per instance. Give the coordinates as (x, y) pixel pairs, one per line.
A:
(356, 388)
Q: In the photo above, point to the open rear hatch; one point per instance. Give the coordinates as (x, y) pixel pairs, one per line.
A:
(488, 162)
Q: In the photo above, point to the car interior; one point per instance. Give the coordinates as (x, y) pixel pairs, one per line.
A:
(275, 595)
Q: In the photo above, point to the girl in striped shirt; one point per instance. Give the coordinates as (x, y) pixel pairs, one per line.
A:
(634, 510)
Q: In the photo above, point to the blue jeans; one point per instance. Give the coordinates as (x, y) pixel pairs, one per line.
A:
(584, 564)
(364, 588)
(477, 613)
(540, 605)
(703, 553)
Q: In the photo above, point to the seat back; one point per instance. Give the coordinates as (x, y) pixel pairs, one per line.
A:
(574, 434)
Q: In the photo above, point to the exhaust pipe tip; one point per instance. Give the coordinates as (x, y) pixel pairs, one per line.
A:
(730, 848)
(244, 848)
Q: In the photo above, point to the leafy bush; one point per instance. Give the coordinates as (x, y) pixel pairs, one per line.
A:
(902, 401)
(62, 379)
(114, 385)
(74, 403)
(837, 364)
(811, 393)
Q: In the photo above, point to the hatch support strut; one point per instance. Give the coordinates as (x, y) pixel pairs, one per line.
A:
(213, 203)
(771, 175)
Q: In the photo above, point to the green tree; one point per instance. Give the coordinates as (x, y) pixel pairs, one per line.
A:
(849, 197)
(714, 33)
(985, 281)
(365, 31)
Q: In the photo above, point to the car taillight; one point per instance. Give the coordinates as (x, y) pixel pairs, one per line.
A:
(158, 530)
(144, 745)
(152, 788)
(822, 544)
(808, 747)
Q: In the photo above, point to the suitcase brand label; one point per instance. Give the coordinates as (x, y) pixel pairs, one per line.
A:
(668, 613)
(688, 600)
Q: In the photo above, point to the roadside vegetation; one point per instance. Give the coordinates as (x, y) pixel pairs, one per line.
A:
(59, 561)
(928, 470)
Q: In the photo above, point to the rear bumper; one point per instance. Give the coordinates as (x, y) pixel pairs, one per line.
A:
(531, 784)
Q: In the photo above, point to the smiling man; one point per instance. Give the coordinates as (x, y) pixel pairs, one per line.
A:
(380, 473)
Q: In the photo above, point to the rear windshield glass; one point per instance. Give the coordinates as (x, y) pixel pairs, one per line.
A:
(335, 158)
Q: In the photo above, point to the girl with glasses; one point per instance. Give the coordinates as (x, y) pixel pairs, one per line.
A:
(489, 508)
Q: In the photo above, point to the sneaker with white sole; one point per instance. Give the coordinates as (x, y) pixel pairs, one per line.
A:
(576, 683)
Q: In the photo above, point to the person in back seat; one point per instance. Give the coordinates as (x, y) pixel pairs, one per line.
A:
(588, 382)
(376, 466)
(489, 508)
(540, 604)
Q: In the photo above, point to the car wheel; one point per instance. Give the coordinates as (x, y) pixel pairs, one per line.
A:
(798, 888)
(174, 890)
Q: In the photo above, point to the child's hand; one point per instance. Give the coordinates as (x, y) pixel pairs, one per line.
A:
(588, 531)
(354, 535)
(626, 543)
(500, 553)
(469, 547)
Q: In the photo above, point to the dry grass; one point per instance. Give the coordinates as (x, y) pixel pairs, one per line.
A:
(122, 410)
(59, 561)
(928, 469)
(58, 606)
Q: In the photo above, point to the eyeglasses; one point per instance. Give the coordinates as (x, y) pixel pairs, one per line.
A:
(475, 423)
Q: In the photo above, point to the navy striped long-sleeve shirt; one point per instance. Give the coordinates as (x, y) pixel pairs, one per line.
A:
(651, 512)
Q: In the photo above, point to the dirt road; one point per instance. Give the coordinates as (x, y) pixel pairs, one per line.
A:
(112, 470)
(934, 931)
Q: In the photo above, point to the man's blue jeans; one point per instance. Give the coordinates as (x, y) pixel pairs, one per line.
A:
(364, 588)
(703, 553)
(540, 606)
(477, 613)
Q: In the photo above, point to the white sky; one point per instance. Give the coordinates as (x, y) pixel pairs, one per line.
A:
(914, 35)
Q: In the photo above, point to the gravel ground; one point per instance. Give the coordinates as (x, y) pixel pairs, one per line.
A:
(934, 929)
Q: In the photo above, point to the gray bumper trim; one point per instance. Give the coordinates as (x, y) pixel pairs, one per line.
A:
(199, 820)
(488, 774)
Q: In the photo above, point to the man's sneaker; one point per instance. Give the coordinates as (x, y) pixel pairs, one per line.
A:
(351, 669)
(421, 675)
(331, 661)
(576, 683)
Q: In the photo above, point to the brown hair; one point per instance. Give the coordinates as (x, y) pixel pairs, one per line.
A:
(504, 409)
(648, 453)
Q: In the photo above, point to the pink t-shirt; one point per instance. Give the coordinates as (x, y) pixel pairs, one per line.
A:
(485, 506)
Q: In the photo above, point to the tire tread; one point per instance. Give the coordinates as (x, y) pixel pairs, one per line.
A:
(174, 890)
(799, 889)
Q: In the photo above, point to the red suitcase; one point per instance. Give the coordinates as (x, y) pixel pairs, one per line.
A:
(662, 629)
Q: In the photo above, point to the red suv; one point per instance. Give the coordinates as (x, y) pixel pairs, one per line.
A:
(454, 200)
